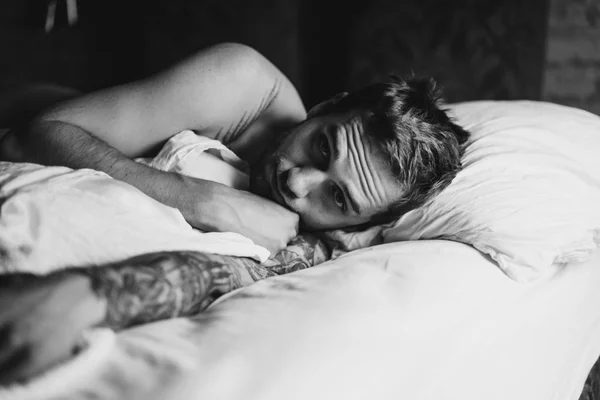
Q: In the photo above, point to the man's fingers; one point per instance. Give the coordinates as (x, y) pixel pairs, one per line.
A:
(16, 280)
(5, 335)
(13, 366)
(14, 354)
(8, 343)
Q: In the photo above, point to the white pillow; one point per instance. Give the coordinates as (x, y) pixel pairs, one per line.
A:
(528, 194)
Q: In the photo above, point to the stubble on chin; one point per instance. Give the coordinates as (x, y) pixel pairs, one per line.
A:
(260, 184)
(260, 179)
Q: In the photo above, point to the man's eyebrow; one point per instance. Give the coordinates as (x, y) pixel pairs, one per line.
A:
(335, 144)
(355, 206)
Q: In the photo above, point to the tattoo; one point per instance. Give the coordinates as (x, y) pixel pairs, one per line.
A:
(161, 285)
(174, 284)
(247, 118)
(304, 251)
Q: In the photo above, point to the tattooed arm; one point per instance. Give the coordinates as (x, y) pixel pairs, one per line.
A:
(164, 285)
(41, 318)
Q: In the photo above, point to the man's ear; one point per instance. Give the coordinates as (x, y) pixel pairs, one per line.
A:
(319, 108)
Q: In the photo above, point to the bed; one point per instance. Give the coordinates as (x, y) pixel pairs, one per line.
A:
(489, 291)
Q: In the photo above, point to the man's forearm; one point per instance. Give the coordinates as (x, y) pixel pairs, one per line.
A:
(164, 285)
(59, 143)
(64, 144)
(173, 284)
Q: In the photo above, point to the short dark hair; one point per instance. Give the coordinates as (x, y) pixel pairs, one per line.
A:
(422, 144)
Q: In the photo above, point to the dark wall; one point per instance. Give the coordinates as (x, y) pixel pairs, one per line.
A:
(120, 40)
(481, 49)
(573, 54)
(477, 48)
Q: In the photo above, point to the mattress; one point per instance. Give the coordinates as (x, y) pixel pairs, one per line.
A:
(415, 320)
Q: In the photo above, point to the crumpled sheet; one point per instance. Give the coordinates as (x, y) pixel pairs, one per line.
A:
(56, 217)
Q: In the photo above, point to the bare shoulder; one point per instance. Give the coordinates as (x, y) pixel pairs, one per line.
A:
(229, 92)
(257, 99)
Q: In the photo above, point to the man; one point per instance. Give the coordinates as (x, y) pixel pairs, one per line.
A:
(354, 160)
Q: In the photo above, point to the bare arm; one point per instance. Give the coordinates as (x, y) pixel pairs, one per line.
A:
(227, 92)
(221, 92)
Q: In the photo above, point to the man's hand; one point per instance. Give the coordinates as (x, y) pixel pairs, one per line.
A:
(225, 209)
(265, 222)
(41, 321)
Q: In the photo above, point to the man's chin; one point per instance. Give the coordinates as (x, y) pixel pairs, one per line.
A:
(302, 227)
(260, 187)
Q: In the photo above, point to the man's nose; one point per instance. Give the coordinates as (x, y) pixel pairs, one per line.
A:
(302, 181)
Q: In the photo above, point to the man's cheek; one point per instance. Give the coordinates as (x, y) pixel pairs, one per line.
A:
(283, 141)
(309, 221)
(305, 220)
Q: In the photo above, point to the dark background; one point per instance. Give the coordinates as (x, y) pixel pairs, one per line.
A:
(478, 49)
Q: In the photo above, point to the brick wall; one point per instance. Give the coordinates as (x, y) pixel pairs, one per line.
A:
(572, 73)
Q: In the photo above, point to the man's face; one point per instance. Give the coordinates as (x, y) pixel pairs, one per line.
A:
(330, 173)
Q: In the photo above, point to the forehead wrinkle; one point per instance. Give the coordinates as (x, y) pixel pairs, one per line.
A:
(345, 153)
(355, 161)
(360, 150)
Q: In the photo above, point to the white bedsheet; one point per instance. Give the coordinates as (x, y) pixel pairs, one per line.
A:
(416, 320)
(56, 217)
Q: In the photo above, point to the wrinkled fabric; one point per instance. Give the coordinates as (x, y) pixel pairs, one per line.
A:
(56, 217)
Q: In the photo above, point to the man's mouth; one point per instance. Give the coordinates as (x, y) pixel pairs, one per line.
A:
(275, 188)
(280, 191)
(279, 188)
(284, 188)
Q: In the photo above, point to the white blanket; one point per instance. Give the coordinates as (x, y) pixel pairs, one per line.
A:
(56, 217)
(416, 320)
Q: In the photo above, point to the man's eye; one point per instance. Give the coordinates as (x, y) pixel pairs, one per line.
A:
(324, 147)
(338, 198)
